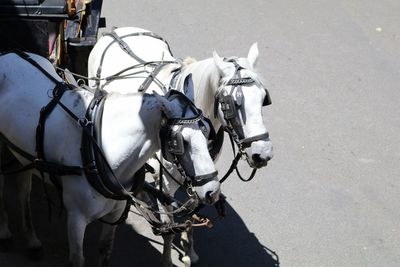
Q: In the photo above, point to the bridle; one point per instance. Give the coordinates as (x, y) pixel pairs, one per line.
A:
(172, 142)
(230, 107)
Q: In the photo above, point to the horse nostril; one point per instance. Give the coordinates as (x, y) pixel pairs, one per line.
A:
(212, 196)
(256, 158)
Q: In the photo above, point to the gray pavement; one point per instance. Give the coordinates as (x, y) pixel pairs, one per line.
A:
(330, 196)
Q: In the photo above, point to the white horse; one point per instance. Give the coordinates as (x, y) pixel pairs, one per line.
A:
(129, 135)
(229, 91)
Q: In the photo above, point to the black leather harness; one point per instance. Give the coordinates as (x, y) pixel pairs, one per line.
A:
(95, 165)
(39, 162)
(157, 65)
(97, 170)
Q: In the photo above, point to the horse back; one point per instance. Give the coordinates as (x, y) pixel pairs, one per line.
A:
(107, 57)
(24, 91)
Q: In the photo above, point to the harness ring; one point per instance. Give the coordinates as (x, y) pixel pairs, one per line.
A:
(83, 122)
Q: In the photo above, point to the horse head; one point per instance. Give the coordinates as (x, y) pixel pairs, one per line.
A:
(184, 142)
(240, 98)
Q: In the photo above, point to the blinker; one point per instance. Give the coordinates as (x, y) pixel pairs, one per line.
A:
(208, 130)
(228, 107)
(267, 98)
(175, 143)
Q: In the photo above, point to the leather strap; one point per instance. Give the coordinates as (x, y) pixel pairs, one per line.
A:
(124, 46)
(39, 161)
(201, 180)
(246, 142)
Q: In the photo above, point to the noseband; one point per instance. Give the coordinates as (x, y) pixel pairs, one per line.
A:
(230, 108)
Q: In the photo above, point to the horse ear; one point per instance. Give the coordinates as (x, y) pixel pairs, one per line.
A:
(253, 54)
(224, 68)
(188, 87)
(218, 61)
(166, 106)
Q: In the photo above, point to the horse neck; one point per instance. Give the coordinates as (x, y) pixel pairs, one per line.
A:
(206, 82)
(130, 132)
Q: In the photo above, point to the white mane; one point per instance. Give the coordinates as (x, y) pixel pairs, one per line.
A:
(208, 78)
(188, 61)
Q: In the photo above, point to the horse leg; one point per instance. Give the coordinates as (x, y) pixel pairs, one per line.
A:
(5, 234)
(169, 188)
(168, 238)
(167, 249)
(76, 230)
(106, 242)
(187, 244)
(24, 186)
(107, 237)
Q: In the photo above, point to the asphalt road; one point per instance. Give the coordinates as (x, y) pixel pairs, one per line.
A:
(330, 196)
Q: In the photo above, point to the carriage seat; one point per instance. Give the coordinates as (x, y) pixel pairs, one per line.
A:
(33, 8)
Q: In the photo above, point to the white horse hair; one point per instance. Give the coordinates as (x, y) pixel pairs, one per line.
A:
(210, 78)
(130, 136)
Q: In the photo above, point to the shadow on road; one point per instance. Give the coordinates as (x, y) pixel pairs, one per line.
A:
(229, 243)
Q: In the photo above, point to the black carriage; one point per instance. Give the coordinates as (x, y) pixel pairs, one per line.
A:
(64, 31)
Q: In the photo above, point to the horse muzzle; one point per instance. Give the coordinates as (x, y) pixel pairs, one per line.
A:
(208, 189)
(212, 197)
(259, 154)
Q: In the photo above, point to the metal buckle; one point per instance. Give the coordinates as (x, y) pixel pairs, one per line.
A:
(189, 190)
(84, 122)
